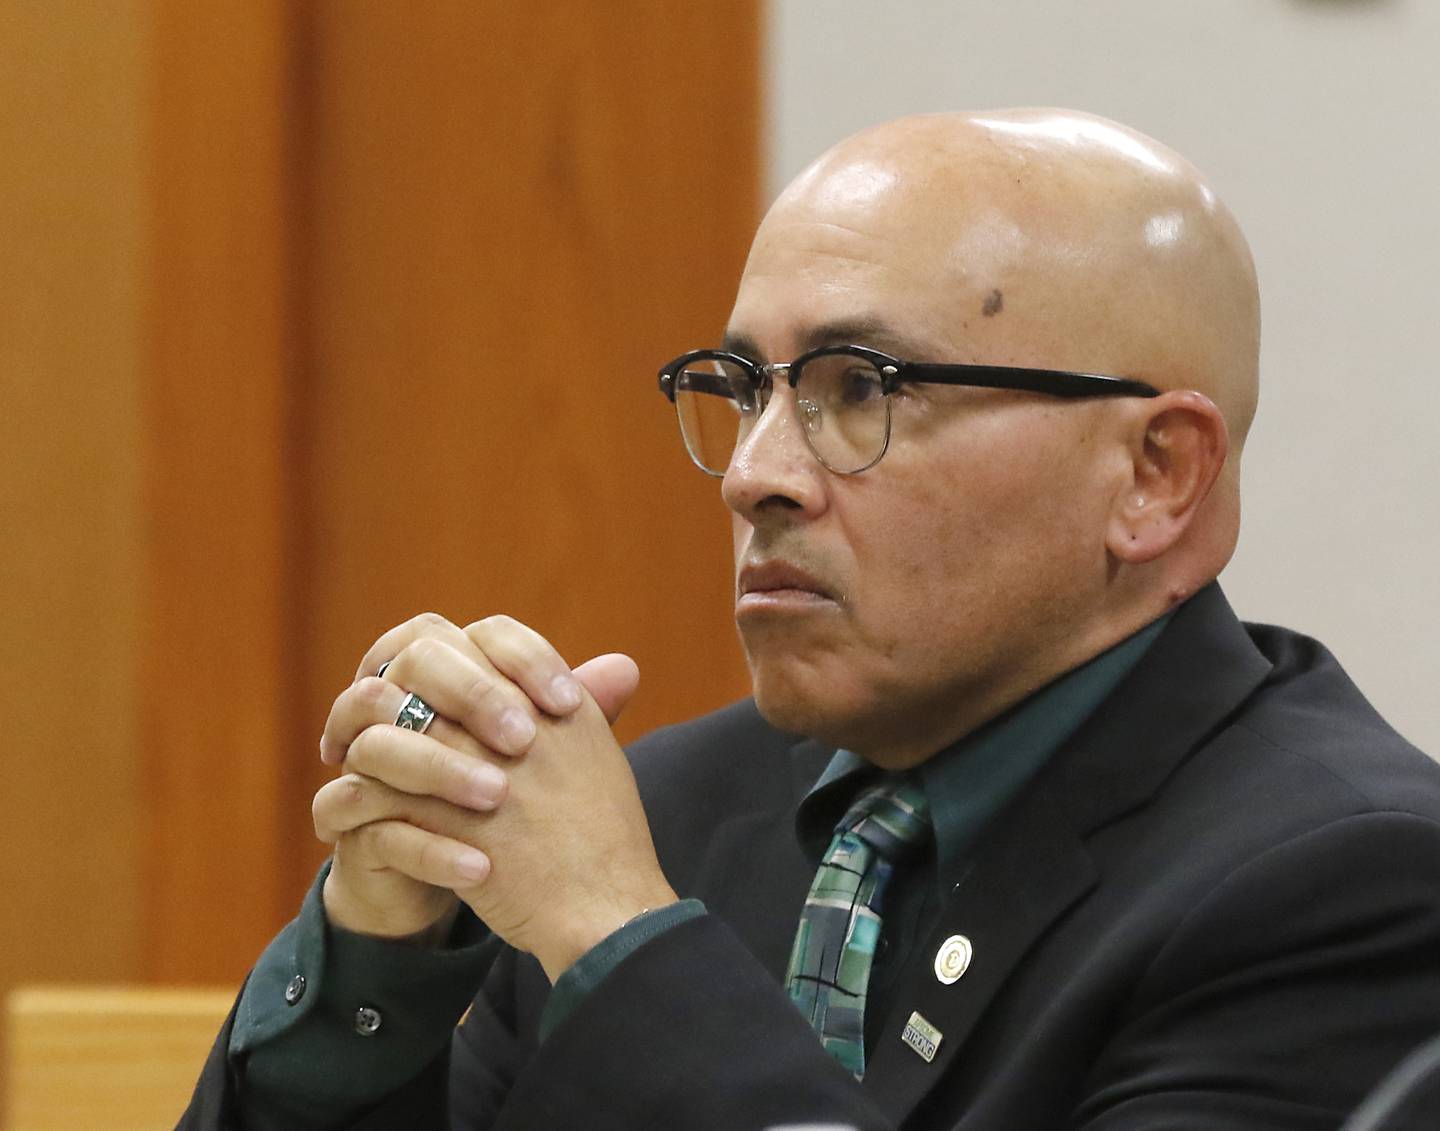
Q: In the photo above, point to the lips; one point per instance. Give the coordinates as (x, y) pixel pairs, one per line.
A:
(779, 577)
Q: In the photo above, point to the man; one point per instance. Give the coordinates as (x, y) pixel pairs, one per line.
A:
(1134, 865)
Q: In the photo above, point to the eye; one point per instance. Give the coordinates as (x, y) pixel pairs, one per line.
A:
(859, 385)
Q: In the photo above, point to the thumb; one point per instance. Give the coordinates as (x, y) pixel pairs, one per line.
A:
(611, 679)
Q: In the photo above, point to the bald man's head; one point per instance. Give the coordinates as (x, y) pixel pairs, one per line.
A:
(1053, 235)
(1005, 536)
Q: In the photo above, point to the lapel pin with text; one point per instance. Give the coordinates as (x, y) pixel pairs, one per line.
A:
(922, 1036)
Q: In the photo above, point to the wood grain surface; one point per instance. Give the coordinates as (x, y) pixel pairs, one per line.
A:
(122, 1057)
(319, 316)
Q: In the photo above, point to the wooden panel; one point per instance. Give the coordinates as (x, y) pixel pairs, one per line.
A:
(121, 1057)
(520, 211)
(214, 679)
(73, 235)
(326, 314)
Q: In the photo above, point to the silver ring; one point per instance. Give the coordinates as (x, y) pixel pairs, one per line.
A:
(415, 714)
(380, 674)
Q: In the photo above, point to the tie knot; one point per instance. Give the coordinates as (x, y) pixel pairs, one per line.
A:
(892, 817)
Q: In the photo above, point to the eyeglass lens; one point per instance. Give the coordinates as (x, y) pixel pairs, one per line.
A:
(840, 403)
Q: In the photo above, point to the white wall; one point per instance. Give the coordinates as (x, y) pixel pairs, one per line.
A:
(1319, 122)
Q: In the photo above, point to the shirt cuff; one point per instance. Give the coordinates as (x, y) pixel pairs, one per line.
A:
(595, 964)
(331, 1022)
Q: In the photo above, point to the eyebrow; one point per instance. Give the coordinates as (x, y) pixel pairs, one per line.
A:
(867, 330)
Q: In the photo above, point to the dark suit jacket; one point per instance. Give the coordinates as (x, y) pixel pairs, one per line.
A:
(1218, 906)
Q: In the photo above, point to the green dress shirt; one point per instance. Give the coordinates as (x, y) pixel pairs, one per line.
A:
(330, 1022)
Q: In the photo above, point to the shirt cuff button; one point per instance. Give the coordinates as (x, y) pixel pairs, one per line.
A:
(295, 989)
(367, 1021)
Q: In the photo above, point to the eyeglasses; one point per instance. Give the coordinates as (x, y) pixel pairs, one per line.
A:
(842, 398)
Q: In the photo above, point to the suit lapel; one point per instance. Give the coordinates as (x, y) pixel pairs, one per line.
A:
(1195, 676)
(1020, 881)
(1032, 865)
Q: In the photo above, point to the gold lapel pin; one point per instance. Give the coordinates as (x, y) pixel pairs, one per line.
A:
(953, 959)
(922, 1036)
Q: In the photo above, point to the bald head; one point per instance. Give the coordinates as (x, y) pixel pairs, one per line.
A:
(1005, 537)
(1054, 238)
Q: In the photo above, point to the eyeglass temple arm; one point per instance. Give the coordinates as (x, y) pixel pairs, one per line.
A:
(1056, 382)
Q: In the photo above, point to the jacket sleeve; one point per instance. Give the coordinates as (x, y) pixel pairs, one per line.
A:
(688, 1031)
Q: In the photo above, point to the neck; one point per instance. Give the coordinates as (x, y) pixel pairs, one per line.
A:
(960, 712)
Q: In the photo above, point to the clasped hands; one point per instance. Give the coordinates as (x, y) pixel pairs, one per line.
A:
(517, 799)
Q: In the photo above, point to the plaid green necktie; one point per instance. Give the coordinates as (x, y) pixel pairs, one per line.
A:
(829, 967)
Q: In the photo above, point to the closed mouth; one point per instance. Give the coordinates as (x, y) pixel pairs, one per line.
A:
(777, 577)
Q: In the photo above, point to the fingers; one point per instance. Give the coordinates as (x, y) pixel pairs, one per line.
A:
(425, 767)
(418, 853)
(370, 701)
(522, 655)
(354, 800)
(611, 680)
(431, 625)
(489, 678)
(515, 650)
(467, 690)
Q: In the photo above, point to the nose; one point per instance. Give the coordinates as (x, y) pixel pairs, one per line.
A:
(773, 468)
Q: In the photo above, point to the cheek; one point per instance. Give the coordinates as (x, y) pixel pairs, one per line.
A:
(956, 538)
(911, 556)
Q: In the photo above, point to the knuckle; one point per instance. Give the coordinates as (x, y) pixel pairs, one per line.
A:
(371, 660)
(425, 650)
(428, 620)
(427, 857)
(371, 691)
(479, 690)
(364, 747)
(518, 640)
(370, 839)
(350, 791)
(439, 767)
(336, 806)
(499, 623)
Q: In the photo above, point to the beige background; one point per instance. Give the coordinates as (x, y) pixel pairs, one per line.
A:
(1316, 121)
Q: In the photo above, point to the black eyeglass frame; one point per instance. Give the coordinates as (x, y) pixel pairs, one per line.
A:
(895, 372)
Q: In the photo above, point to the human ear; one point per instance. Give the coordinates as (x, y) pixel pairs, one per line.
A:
(1177, 451)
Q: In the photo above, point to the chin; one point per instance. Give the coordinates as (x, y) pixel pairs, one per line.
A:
(812, 707)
